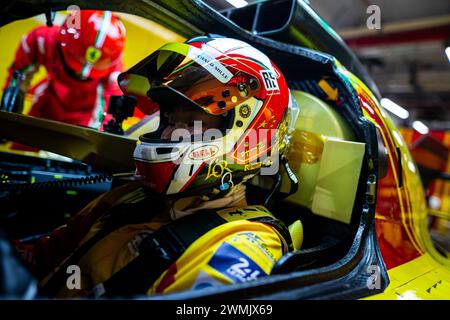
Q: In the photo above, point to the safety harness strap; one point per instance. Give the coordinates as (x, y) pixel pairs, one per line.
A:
(157, 252)
(116, 217)
(160, 250)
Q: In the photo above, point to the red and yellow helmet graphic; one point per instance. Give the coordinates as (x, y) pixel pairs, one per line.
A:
(222, 106)
(92, 43)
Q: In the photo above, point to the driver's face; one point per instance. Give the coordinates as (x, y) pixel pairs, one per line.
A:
(183, 118)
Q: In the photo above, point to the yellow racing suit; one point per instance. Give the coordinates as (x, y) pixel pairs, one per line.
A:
(242, 248)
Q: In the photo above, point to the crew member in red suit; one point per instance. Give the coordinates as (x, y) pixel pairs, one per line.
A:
(83, 58)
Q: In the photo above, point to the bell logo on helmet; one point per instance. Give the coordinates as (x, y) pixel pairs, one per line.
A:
(270, 81)
(203, 152)
(93, 54)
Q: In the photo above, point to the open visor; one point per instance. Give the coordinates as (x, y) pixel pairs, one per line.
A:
(179, 75)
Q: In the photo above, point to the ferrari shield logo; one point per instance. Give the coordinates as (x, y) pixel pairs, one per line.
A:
(93, 54)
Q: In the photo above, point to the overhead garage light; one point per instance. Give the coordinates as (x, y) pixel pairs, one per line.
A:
(238, 3)
(394, 108)
(447, 52)
(420, 127)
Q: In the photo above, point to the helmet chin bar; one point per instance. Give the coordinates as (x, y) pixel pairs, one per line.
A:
(160, 152)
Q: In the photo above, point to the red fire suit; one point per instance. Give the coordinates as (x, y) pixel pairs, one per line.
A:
(61, 96)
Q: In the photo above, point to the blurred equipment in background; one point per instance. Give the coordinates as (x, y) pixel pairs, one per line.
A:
(121, 108)
(407, 57)
(431, 153)
(13, 97)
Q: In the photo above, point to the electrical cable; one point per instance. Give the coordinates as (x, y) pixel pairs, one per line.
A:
(63, 183)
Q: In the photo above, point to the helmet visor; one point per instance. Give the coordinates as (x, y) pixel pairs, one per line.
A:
(180, 74)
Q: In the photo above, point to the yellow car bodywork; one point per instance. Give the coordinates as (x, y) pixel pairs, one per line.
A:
(426, 273)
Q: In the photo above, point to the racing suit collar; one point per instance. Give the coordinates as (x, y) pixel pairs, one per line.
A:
(187, 206)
